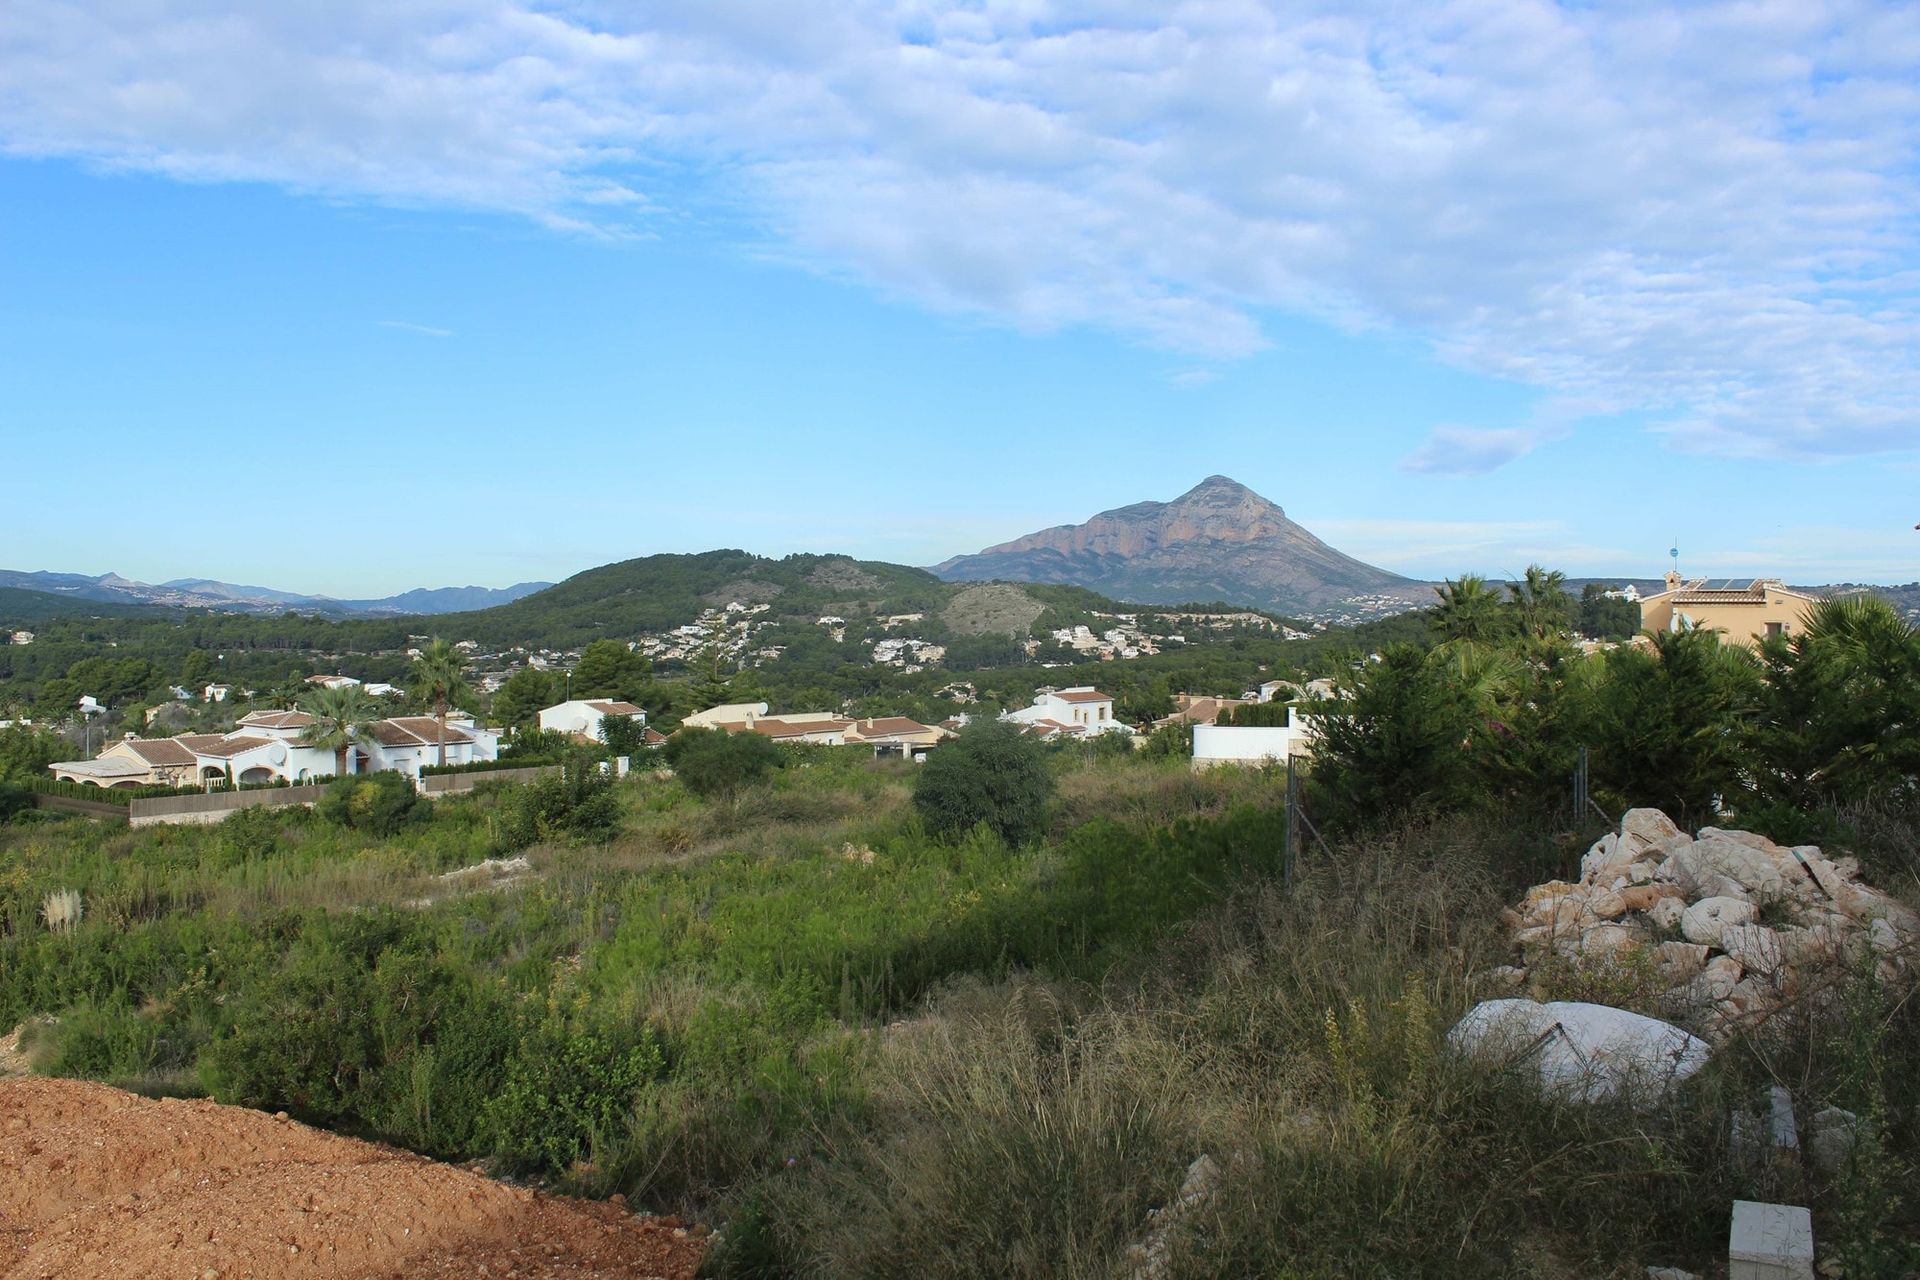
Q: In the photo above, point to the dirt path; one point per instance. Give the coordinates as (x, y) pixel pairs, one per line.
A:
(98, 1182)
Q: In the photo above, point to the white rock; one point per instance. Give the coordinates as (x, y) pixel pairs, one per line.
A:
(1756, 947)
(1582, 1051)
(1607, 905)
(1729, 861)
(1640, 872)
(1715, 982)
(1604, 853)
(1706, 920)
(1605, 940)
(1821, 878)
(1747, 838)
(1644, 828)
(1680, 961)
(1831, 1134)
(1667, 912)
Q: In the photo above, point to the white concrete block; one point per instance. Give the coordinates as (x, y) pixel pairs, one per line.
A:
(1770, 1242)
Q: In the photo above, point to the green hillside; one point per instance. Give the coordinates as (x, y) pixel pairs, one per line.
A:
(21, 607)
(657, 593)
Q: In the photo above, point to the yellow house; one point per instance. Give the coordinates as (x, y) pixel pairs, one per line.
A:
(1743, 610)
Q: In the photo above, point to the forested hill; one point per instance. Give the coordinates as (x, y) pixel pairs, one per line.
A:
(657, 593)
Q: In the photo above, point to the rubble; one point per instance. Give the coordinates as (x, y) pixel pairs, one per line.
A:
(1733, 924)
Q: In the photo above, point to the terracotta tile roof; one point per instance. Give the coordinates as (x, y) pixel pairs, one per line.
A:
(774, 727)
(1083, 695)
(160, 751)
(227, 748)
(427, 729)
(195, 741)
(413, 731)
(616, 708)
(101, 767)
(653, 737)
(278, 719)
(890, 726)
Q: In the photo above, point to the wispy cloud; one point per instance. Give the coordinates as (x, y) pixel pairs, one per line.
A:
(1708, 215)
(1470, 451)
(407, 325)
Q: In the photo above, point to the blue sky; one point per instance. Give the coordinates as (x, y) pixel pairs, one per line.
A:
(354, 298)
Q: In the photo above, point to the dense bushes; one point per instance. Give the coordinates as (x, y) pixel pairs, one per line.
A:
(572, 803)
(379, 804)
(991, 775)
(712, 762)
(1680, 722)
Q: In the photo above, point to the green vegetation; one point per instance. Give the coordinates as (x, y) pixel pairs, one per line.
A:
(1826, 717)
(991, 776)
(979, 1016)
(711, 763)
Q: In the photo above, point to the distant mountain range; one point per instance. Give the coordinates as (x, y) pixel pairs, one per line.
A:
(206, 593)
(1218, 541)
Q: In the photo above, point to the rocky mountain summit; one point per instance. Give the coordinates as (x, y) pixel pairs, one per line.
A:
(1219, 541)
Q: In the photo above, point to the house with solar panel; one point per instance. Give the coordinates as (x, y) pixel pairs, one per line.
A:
(1743, 610)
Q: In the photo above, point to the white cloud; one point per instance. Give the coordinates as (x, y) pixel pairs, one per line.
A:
(1470, 451)
(425, 330)
(1707, 214)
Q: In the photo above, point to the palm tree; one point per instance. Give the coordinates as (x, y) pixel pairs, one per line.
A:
(1468, 609)
(437, 681)
(340, 715)
(1541, 601)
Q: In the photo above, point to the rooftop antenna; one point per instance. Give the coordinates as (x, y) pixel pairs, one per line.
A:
(1674, 551)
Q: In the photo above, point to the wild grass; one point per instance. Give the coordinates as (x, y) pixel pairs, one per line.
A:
(1296, 1035)
(862, 1052)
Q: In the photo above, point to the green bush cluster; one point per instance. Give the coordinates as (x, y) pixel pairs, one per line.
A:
(573, 803)
(991, 775)
(712, 762)
(1683, 723)
(379, 804)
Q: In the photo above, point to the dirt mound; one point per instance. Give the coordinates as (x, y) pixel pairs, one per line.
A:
(98, 1182)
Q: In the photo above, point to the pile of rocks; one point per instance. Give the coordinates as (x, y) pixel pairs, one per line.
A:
(1688, 910)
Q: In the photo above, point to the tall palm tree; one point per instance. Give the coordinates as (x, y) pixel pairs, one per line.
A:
(339, 716)
(1468, 609)
(437, 680)
(1541, 601)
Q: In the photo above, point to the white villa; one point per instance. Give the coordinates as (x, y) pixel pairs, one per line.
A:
(582, 716)
(1080, 712)
(265, 747)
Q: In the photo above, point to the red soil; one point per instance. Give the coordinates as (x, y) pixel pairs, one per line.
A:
(95, 1182)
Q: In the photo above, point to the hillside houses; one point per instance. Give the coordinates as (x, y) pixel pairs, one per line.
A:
(884, 734)
(1080, 712)
(265, 747)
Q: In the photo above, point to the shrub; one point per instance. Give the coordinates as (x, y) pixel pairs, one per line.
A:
(991, 774)
(14, 800)
(711, 762)
(576, 802)
(379, 804)
(566, 1090)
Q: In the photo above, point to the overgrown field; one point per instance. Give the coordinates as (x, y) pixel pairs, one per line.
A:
(859, 1050)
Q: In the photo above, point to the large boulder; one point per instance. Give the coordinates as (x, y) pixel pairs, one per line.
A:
(1583, 1052)
(1719, 867)
(1707, 919)
(1644, 828)
(1757, 948)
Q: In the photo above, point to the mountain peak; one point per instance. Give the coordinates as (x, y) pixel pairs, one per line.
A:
(1221, 491)
(1217, 541)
